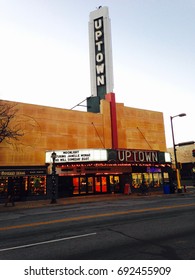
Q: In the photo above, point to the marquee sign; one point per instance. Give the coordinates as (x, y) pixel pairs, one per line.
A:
(143, 156)
(100, 53)
(138, 156)
(108, 155)
(83, 155)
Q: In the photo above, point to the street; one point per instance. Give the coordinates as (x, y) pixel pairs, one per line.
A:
(141, 228)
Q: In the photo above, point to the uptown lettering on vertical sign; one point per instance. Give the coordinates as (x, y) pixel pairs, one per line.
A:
(99, 52)
(137, 156)
(101, 68)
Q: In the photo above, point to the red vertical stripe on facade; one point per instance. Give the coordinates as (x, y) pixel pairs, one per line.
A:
(111, 98)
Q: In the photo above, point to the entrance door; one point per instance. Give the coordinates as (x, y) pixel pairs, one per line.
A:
(104, 184)
(80, 185)
(90, 185)
(114, 182)
(101, 184)
(83, 185)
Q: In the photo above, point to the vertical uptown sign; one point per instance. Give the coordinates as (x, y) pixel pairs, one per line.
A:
(101, 68)
(100, 52)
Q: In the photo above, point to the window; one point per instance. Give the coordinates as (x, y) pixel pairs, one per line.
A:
(37, 185)
(151, 179)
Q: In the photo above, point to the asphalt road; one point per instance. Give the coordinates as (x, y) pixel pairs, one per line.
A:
(145, 228)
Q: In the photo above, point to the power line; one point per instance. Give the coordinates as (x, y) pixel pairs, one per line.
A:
(98, 135)
(144, 137)
(79, 104)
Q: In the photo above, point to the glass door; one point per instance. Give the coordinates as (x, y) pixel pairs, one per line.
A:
(90, 184)
(83, 185)
(114, 183)
(101, 184)
(79, 185)
(104, 184)
(76, 185)
(98, 188)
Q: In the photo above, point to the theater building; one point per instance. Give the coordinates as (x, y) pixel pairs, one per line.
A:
(97, 151)
(87, 161)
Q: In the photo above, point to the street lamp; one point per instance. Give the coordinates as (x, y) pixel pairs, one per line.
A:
(53, 176)
(174, 149)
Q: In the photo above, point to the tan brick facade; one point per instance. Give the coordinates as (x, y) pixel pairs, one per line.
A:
(47, 128)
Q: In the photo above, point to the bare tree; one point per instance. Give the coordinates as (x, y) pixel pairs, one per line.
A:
(8, 129)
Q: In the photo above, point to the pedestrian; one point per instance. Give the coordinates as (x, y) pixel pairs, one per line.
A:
(10, 192)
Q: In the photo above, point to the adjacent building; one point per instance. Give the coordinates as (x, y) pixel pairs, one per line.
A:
(186, 162)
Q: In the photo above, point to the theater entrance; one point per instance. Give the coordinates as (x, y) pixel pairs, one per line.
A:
(90, 185)
(87, 184)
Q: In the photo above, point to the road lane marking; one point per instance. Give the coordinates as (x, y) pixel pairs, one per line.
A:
(47, 242)
(110, 214)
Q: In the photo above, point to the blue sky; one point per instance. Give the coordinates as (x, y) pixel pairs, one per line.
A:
(44, 55)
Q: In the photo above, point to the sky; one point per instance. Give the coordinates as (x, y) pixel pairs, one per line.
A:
(44, 55)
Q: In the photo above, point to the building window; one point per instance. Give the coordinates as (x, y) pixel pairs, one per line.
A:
(25, 186)
(152, 180)
(37, 185)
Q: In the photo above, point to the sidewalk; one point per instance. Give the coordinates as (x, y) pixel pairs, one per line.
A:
(83, 199)
(63, 201)
(60, 201)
